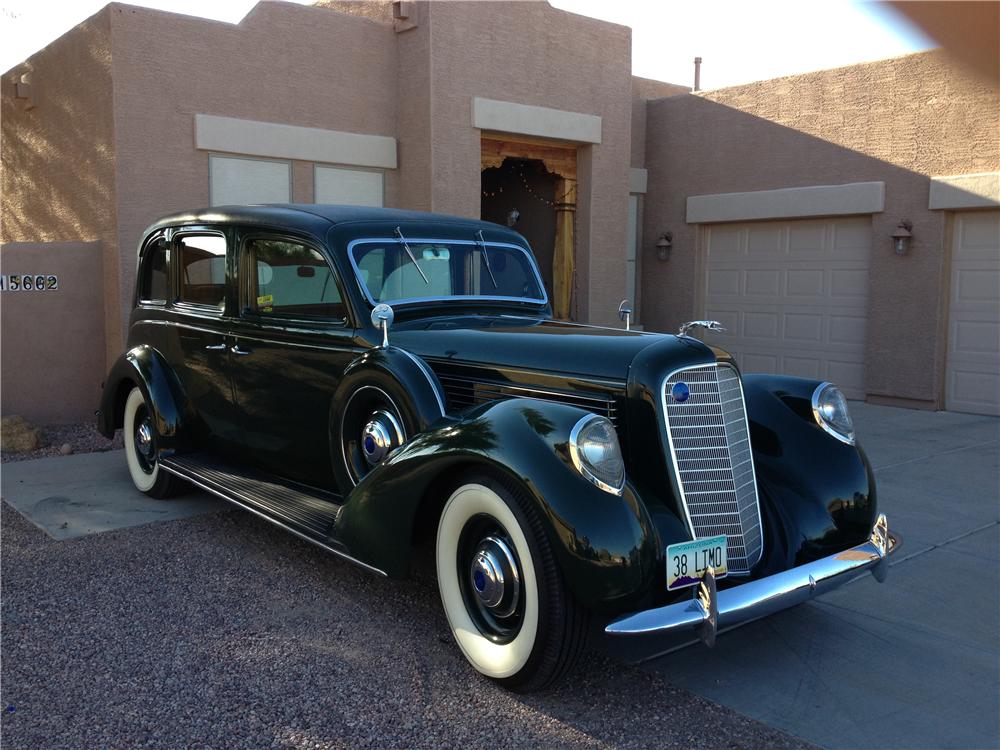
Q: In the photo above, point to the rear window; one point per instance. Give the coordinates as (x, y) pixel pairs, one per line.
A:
(155, 285)
(203, 269)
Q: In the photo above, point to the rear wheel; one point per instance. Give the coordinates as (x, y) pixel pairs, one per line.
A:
(140, 449)
(503, 595)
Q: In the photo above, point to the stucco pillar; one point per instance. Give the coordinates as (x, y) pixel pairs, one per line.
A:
(563, 262)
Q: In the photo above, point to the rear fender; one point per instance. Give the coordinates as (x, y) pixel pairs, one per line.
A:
(604, 544)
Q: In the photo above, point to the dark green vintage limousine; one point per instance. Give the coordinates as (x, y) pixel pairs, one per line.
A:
(373, 379)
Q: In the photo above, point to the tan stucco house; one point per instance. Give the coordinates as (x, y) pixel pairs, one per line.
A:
(770, 207)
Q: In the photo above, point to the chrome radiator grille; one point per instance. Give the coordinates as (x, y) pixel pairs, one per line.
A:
(710, 449)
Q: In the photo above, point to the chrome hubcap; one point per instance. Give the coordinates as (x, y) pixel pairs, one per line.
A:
(380, 436)
(495, 577)
(144, 439)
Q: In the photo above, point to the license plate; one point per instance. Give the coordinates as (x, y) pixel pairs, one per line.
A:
(688, 561)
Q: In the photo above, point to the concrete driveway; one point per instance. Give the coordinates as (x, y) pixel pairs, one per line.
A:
(910, 663)
(913, 662)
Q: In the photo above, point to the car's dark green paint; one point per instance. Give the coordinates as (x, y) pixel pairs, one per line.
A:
(277, 406)
(604, 543)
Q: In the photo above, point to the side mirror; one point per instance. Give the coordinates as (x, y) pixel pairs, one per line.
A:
(625, 313)
(382, 317)
(306, 272)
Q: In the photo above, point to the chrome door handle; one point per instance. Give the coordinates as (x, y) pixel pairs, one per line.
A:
(216, 347)
(236, 350)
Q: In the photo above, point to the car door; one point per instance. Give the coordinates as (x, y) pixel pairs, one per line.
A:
(199, 349)
(292, 342)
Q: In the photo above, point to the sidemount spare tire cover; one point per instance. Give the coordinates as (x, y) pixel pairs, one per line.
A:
(395, 380)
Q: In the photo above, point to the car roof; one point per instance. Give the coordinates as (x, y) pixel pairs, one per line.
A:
(318, 217)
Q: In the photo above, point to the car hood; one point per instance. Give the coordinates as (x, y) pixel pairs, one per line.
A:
(535, 344)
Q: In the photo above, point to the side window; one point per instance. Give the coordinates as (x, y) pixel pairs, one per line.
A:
(203, 269)
(292, 280)
(154, 284)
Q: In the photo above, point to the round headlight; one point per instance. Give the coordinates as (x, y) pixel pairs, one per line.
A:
(593, 446)
(830, 410)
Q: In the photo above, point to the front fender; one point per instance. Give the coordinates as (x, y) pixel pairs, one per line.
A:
(604, 544)
(146, 368)
(817, 493)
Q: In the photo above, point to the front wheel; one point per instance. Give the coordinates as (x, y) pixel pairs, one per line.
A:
(140, 449)
(503, 595)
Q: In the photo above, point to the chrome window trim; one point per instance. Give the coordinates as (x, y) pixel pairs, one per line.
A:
(448, 298)
(574, 452)
(673, 453)
(852, 440)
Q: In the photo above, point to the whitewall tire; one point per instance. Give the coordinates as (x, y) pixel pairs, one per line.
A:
(139, 432)
(504, 599)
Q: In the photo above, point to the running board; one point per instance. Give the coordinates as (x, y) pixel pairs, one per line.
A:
(309, 514)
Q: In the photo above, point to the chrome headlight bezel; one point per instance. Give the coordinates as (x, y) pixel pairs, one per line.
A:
(609, 481)
(829, 407)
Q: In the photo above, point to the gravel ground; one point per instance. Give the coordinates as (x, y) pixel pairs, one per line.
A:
(82, 438)
(222, 631)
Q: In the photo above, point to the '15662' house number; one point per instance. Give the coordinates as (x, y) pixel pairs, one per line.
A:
(28, 282)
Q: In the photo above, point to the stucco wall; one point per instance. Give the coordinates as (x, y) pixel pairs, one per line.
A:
(283, 63)
(53, 340)
(58, 156)
(898, 121)
(644, 89)
(534, 54)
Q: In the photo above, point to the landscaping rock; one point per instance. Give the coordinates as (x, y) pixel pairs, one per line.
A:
(18, 435)
(66, 449)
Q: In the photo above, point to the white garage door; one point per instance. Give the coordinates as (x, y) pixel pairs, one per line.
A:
(973, 378)
(793, 296)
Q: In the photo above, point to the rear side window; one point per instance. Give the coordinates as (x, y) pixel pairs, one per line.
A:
(292, 280)
(202, 260)
(155, 283)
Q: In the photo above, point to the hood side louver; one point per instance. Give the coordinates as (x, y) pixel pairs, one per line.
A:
(462, 393)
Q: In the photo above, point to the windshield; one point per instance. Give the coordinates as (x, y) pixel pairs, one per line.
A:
(393, 271)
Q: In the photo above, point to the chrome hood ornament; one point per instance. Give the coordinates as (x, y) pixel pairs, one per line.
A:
(708, 325)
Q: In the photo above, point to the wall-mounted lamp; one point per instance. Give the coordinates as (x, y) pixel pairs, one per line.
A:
(663, 246)
(901, 238)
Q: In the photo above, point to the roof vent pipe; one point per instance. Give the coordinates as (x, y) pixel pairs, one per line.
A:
(697, 74)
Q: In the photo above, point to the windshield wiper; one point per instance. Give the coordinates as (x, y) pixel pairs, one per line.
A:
(486, 258)
(413, 258)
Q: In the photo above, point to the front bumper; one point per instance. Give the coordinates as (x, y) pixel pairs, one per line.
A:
(654, 632)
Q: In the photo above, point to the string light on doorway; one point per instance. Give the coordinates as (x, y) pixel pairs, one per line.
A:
(530, 191)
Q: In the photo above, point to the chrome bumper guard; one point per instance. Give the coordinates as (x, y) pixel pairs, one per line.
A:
(654, 632)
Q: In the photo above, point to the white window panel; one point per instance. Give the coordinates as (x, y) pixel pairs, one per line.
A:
(351, 187)
(236, 181)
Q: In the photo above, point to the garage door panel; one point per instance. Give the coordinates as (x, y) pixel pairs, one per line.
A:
(976, 337)
(726, 242)
(973, 370)
(760, 325)
(804, 327)
(723, 282)
(977, 235)
(976, 283)
(808, 239)
(765, 241)
(849, 283)
(852, 239)
(765, 282)
(847, 329)
(805, 282)
(801, 299)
